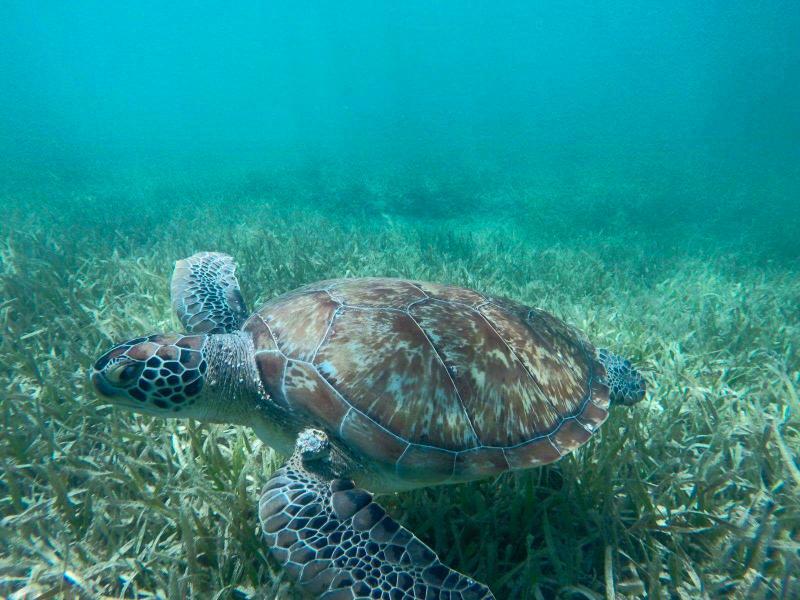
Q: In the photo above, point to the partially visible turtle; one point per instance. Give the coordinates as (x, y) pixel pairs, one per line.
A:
(380, 384)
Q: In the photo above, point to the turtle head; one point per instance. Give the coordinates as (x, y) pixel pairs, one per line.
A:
(209, 377)
(626, 384)
(159, 374)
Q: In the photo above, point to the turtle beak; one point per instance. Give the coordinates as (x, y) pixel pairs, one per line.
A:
(101, 385)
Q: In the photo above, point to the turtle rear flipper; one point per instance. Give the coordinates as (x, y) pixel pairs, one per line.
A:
(206, 295)
(340, 544)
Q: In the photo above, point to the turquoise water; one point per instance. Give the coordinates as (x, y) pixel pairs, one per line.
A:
(633, 168)
(700, 99)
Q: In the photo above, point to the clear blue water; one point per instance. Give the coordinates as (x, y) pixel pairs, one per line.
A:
(647, 93)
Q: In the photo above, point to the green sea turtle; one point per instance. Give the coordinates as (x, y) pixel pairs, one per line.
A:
(379, 384)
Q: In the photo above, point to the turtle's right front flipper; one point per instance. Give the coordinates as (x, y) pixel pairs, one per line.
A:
(206, 295)
(340, 544)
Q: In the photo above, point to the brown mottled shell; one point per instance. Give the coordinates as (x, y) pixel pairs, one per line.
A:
(439, 383)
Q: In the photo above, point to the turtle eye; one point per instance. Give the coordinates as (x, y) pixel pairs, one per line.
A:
(123, 373)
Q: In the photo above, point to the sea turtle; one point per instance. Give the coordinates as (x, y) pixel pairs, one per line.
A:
(376, 383)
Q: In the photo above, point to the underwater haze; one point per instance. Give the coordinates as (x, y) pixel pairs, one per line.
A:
(631, 167)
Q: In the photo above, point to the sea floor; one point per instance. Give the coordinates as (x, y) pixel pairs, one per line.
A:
(691, 494)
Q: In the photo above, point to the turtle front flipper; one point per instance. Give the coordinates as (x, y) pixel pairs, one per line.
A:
(338, 543)
(206, 295)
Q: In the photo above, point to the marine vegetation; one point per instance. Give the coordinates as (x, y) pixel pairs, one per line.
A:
(691, 493)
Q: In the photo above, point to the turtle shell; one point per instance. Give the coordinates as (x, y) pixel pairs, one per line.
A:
(435, 383)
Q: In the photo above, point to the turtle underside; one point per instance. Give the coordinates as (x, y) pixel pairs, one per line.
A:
(435, 383)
